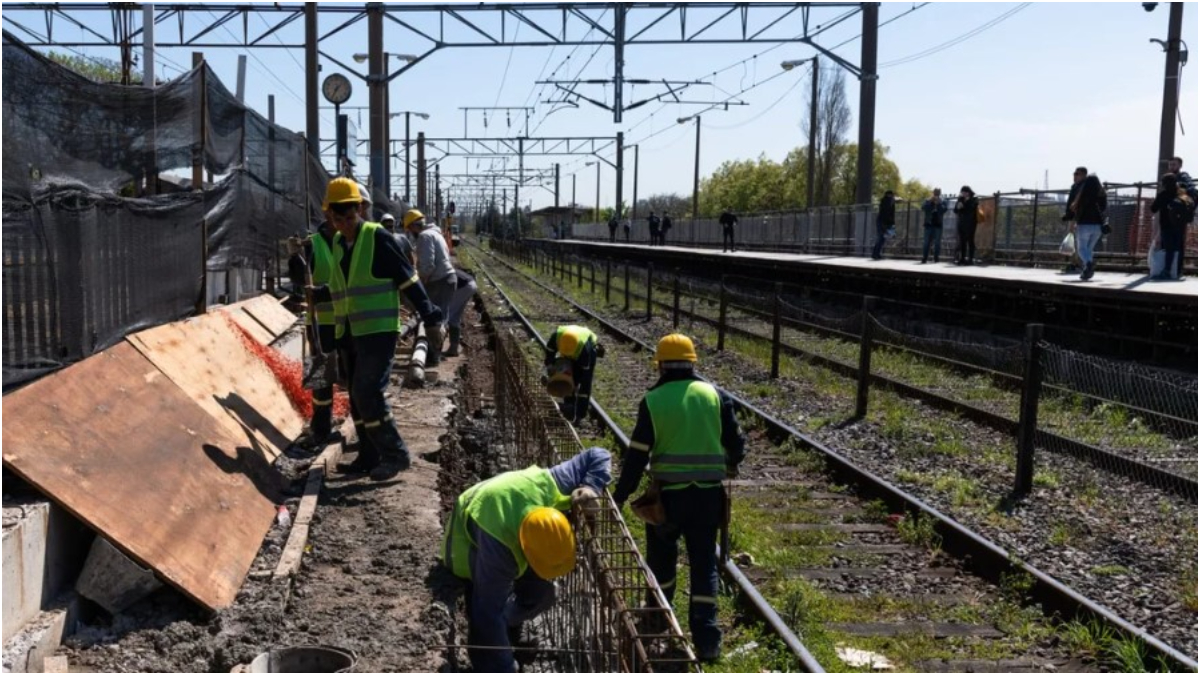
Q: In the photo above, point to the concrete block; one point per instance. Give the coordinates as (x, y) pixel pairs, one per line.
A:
(27, 651)
(43, 551)
(112, 580)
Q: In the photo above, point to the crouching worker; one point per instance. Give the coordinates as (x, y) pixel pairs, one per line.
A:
(571, 355)
(464, 291)
(509, 539)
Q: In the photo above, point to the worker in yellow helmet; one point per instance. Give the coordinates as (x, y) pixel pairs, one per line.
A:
(687, 432)
(571, 354)
(509, 539)
(368, 310)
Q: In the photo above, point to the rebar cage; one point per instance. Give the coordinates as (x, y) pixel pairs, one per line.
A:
(610, 614)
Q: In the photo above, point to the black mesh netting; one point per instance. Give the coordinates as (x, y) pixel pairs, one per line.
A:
(88, 257)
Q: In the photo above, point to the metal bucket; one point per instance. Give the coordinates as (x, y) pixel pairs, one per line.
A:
(561, 383)
(304, 659)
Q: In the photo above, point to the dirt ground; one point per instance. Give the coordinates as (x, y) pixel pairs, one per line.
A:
(369, 580)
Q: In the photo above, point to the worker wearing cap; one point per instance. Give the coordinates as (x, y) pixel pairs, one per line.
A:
(364, 208)
(465, 288)
(315, 253)
(582, 348)
(370, 260)
(388, 221)
(433, 267)
(687, 432)
(509, 539)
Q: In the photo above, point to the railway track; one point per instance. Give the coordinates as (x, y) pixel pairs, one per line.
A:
(1168, 471)
(937, 594)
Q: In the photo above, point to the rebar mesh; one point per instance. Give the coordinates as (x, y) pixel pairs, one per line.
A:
(610, 615)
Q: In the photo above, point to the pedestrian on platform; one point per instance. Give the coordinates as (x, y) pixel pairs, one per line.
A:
(1175, 209)
(373, 270)
(687, 432)
(315, 253)
(612, 228)
(509, 539)
(1069, 217)
(885, 223)
(465, 290)
(628, 229)
(935, 212)
(1089, 208)
(434, 269)
(667, 224)
(967, 210)
(1183, 178)
(727, 220)
(574, 349)
(655, 228)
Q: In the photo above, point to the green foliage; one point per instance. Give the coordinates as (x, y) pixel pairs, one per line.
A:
(919, 531)
(93, 68)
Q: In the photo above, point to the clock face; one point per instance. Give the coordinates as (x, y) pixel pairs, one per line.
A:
(336, 89)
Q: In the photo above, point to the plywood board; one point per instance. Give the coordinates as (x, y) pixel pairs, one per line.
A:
(270, 313)
(251, 325)
(208, 361)
(120, 446)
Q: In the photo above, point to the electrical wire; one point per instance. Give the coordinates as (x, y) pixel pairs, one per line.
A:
(779, 100)
(961, 38)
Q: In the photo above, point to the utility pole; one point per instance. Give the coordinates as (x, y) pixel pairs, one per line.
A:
(597, 218)
(620, 166)
(812, 134)
(866, 103)
(1166, 136)
(421, 202)
(636, 148)
(148, 82)
(312, 73)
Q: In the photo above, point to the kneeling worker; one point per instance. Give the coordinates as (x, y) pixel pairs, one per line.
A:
(688, 433)
(578, 348)
(509, 538)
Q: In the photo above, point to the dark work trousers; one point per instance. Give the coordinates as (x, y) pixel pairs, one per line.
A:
(1172, 237)
(880, 239)
(531, 597)
(727, 238)
(583, 371)
(662, 236)
(933, 237)
(373, 365)
(695, 513)
(627, 229)
(367, 452)
(654, 236)
(322, 399)
(966, 242)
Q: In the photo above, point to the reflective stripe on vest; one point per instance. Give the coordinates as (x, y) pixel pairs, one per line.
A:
(372, 304)
(326, 272)
(582, 334)
(686, 415)
(498, 506)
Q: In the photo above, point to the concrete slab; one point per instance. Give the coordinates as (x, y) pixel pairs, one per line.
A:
(27, 651)
(42, 554)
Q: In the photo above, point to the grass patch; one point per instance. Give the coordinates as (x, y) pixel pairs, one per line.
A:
(919, 531)
(1110, 570)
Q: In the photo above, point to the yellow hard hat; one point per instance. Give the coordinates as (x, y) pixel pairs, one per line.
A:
(342, 191)
(675, 347)
(548, 543)
(568, 342)
(411, 216)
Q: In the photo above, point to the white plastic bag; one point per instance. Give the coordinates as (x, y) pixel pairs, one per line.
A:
(1067, 247)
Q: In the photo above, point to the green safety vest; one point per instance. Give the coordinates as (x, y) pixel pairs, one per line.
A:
(372, 304)
(498, 506)
(327, 272)
(580, 332)
(686, 415)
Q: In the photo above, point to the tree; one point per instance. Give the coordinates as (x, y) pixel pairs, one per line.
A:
(833, 121)
(676, 205)
(105, 71)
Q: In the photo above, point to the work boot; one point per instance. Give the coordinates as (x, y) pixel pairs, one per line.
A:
(390, 466)
(455, 334)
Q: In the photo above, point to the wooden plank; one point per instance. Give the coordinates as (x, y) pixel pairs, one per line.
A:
(833, 527)
(208, 361)
(293, 550)
(272, 315)
(125, 450)
(864, 572)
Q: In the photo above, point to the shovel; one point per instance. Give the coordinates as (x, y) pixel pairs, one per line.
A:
(320, 369)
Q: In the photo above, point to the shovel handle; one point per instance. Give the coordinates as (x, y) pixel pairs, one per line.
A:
(311, 307)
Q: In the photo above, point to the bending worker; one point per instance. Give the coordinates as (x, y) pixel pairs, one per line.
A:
(580, 347)
(465, 290)
(371, 270)
(316, 253)
(509, 538)
(687, 432)
(434, 269)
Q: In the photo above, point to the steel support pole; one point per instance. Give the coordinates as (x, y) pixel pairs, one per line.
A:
(866, 103)
(312, 73)
(812, 135)
(375, 86)
(1166, 135)
(696, 179)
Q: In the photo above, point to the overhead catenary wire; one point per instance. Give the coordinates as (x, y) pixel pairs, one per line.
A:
(961, 38)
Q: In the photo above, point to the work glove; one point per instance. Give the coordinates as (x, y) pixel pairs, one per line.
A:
(586, 499)
(600, 351)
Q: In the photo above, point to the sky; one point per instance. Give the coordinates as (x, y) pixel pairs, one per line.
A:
(1033, 88)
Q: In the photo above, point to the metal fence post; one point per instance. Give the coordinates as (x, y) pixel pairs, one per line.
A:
(775, 332)
(649, 290)
(865, 345)
(579, 271)
(592, 272)
(626, 287)
(1033, 230)
(721, 316)
(675, 313)
(1031, 389)
(607, 280)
